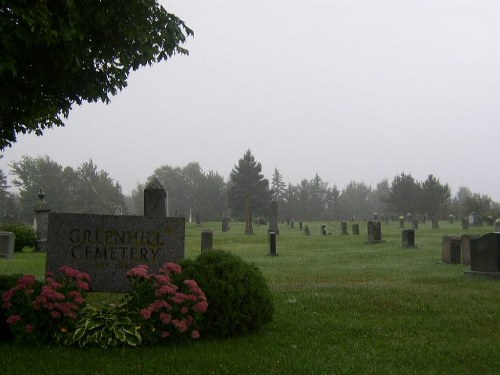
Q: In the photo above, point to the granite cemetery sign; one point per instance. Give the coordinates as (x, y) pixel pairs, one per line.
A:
(107, 246)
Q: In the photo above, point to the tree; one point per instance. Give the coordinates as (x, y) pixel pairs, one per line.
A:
(404, 194)
(96, 192)
(278, 187)
(188, 188)
(57, 53)
(85, 189)
(247, 181)
(433, 196)
(354, 201)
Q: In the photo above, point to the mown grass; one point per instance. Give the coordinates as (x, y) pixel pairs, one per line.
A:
(342, 307)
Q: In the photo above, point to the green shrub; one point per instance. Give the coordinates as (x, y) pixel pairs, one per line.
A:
(239, 299)
(25, 234)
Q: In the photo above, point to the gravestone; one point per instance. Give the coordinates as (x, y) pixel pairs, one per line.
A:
(107, 246)
(42, 211)
(307, 231)
(485, 256)
(225, 225)
(248, 217)
(355, 228)
(451, 251)
(272, 244)
(7, 243)
(401, 222)
(415, 224)
(207, 240)
(273, 218)
(497, 225)
(435, 224)
(343, 227)
(300, 225)
(374, 232)
(408, 238)
(465, 241)
(292, 223)
(465, 223)
(154, 199)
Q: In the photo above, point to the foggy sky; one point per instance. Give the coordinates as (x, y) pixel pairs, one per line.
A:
(354, 90)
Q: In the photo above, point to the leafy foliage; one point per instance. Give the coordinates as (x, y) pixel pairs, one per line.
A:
(108, 325)
(6, 282)
(239, 299)
(247, 181)
(86, 189)
(25, 234)
(54, 54)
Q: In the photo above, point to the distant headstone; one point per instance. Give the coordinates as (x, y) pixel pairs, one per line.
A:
(273, 218)
(473, 218)
(401, 222)
(343, 227)
(207, 240)
(107, 246)
(497, 225)
(300, 225)
(42, 211)
(225, 225)
(292, 223)
(415, 224)
(272, 244)
(154, 199)
(408, 238)
(307, 231)
(374, 232)
(355, 228)
(7, 243)
(451, 250)
(465, 223)
(435, 224)
(248, 217)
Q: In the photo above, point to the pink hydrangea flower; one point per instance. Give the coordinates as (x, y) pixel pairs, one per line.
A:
(13, 319)
(195, 334)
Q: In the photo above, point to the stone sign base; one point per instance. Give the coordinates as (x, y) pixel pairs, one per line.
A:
(482, 275)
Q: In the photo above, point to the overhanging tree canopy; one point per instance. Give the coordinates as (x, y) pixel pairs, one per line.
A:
(56, 53)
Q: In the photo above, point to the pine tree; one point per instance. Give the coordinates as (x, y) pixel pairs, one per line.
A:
(247, 181)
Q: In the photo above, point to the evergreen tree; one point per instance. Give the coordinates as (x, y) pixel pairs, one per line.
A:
(404, 194)
(247, 181)
(278, 188)
(434, 195)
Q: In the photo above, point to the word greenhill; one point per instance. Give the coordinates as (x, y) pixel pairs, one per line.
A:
(110, 244)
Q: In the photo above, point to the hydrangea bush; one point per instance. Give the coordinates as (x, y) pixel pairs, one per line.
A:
(164, 309)
(39, 312)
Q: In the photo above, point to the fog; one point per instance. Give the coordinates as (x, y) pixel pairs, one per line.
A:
(354, 90)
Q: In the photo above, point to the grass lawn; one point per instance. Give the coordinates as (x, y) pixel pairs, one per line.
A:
(343, 306)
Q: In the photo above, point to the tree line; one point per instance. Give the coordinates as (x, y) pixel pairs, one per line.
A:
(190, 190)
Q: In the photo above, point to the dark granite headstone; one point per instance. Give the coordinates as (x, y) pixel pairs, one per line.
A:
(107, 246)
(207, 240)
(300, 225)
(343, 227)
(408, 237)
(307, 231)
(154, 199)
(355, 228)
(451, 251)
(374, 232)
(272, 244)
(485, 253)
